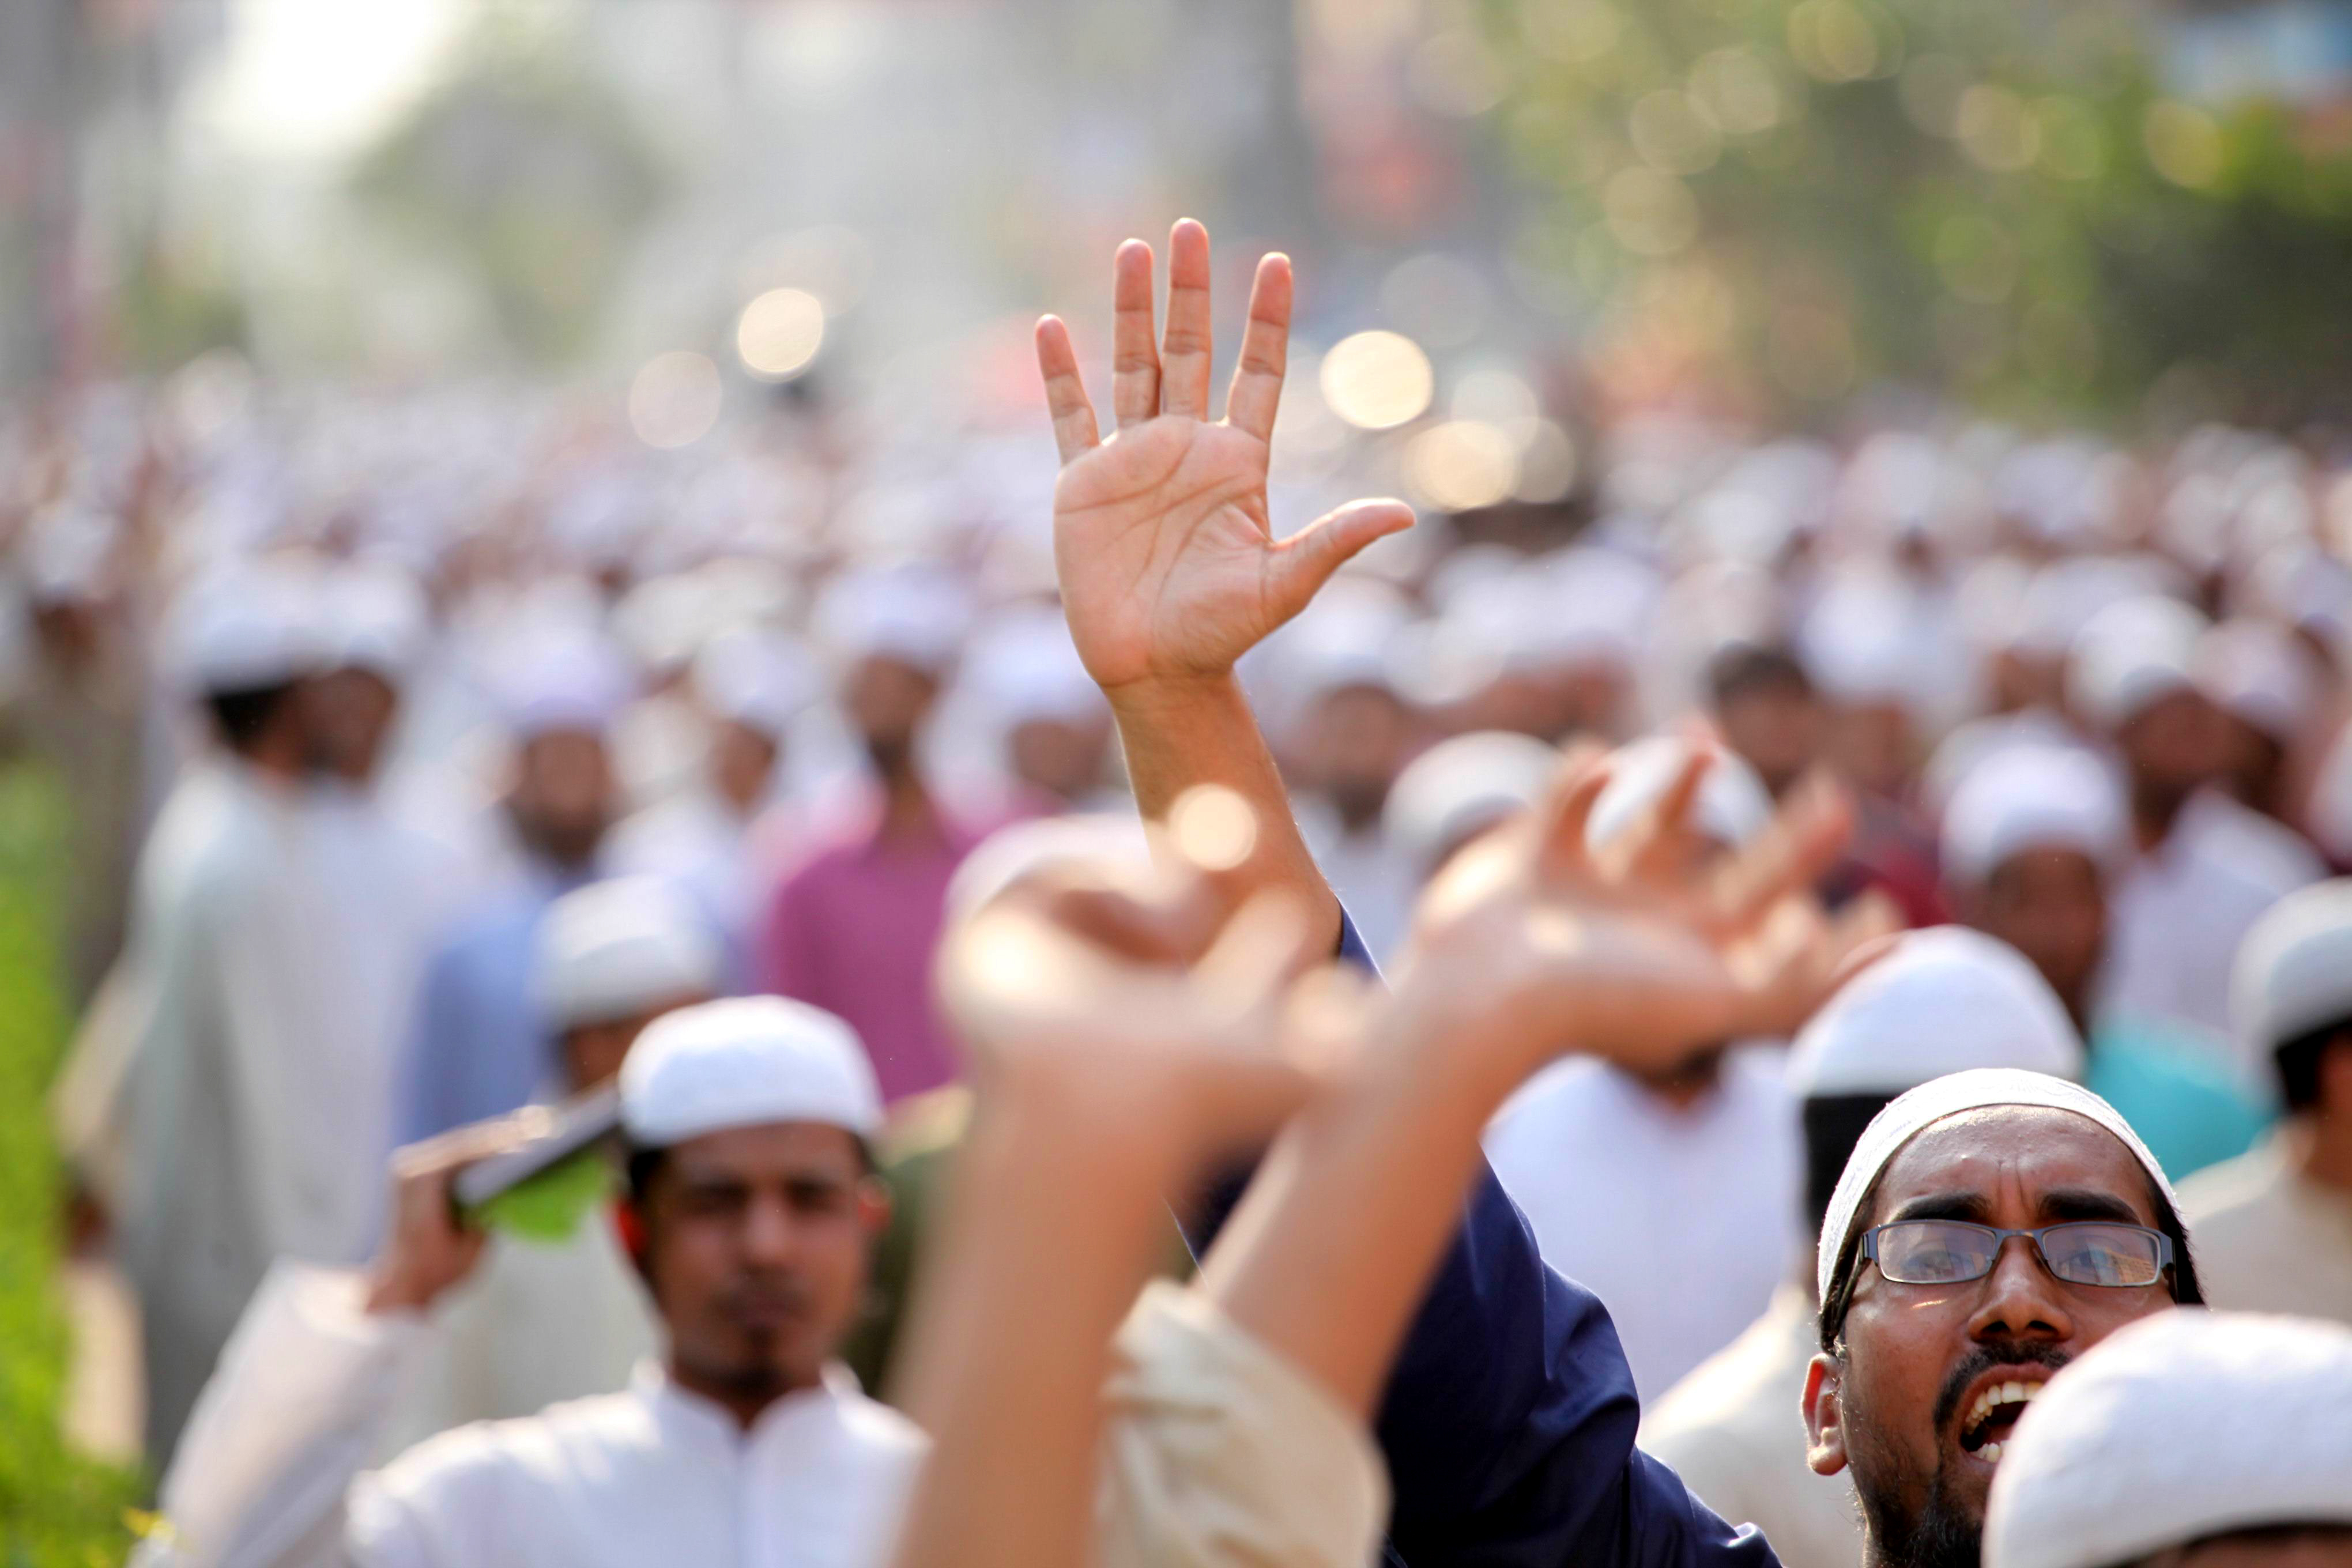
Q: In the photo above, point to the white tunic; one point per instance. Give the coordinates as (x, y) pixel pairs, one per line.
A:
(2177, 914)
(2268, 1239)
(1735, 1431)
(1681, 1220)
(272, 1469)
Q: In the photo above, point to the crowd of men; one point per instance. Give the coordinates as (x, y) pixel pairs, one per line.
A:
(1856, 919)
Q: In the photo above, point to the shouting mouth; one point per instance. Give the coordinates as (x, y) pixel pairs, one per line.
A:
(1994, 1413)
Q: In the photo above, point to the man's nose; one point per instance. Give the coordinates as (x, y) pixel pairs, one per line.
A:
(769, 1233)
(2021, 1297)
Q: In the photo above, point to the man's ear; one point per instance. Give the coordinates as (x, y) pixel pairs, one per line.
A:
(874, 1207)
(1825, 1412)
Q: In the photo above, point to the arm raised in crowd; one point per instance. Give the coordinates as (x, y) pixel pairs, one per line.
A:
(1169, 566)
(1122, 1039)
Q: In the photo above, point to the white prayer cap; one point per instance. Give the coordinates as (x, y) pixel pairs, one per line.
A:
(756, 678)
(2131, 655)
(558, 679)
(1347, 636)
(2181, 1427)
(2293, 968)
(1864, 641)
(246, 626)
(1978, 1088)
(614, 948)
(375, 620)
(2032, 797)
(664, 619)
(1946, 999)
(1462, 785)
(1587, 605)
(2259, 672)
(1023, 667)
(1012, 853)
(2065, 595)
(1732, 805)
(915, 614)
(746, 1061)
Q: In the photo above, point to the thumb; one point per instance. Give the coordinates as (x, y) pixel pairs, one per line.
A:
(1299, 565)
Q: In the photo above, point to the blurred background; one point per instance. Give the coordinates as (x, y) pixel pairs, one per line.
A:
(655, 372)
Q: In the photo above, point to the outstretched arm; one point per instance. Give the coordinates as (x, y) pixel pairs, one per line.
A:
(1169, 565)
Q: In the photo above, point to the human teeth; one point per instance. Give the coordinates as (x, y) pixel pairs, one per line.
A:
(1990, 1453)
(1999, 1395)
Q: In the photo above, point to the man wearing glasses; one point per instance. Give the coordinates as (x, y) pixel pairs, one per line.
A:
(1991, 1226)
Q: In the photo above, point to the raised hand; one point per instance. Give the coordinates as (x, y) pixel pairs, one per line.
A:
(1127, 996)
(1168, 561)
(426, 1249)
(1640, 950)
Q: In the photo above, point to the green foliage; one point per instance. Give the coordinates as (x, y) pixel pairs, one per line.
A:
(527, 169)
(58, 1509)
(1793, 198)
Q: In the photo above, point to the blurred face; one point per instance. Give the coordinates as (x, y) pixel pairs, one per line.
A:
(2052, 906)
(1353, 745)
(1060, 756)
(351, 713)
(757, 1244)
(1873, 747)
(742, 760)
(887, 701)
(563, 795)
(1776, 729)
(2173, 746)
(593, 1053)
(2251, 762)
(1905, 1403)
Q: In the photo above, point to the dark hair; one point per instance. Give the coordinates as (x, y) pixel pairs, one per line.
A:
(2298, 1061)
(641, 1163)
(1744, 668)
(243, 715)
(1833, 1125)
(2186, 1289)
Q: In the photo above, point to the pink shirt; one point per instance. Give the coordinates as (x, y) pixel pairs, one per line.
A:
(852, 929)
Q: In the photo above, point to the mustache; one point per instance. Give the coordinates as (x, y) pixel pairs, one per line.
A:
(788, 1290)
(1983, 1359)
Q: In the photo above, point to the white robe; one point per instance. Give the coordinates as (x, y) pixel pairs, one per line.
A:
(2177, 915)
(1735, 1432)
(1682, 1221)
(250, 1117)
(272, 1473)
(2268, 1239)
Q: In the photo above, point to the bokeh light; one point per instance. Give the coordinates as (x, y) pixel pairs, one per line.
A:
(1460, 465)
(2184, 143)
(674, 399)
(1995, 130)
(780, 332)
(1376, 380)
(1651, 213)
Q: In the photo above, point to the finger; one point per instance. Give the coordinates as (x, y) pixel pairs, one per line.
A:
(1168, 934)
(1254, 959)
(1134, 362)
(1565, 813)
(1186, 350)
(1864, 932)
(1256, 390)
(1663, 842)
(1803, 841)
(1302, 563)
(1066, 391)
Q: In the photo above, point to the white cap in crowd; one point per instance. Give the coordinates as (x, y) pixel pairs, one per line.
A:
(375, 619)
(620, 948)
(2175, 1429)
(2033, 797)
(1023, 667)
(1912, 1112)
(760, 680)
(746, 1061)
(1731, 807)
(1462, 787)
(2293, 968)
(915, 614)
(246, 626)
(1946, 1000)
(562, 679)
(2258, 672)
(2129, 657)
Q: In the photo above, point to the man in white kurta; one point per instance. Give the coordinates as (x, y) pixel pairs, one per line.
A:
(2274, 1226)
(742, 1101)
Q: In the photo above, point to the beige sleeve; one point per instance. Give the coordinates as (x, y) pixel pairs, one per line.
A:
(1218, 1454)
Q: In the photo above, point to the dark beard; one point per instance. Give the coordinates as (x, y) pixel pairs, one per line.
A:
(1946, 1532)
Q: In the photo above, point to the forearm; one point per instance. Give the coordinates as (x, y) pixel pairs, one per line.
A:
(1178, 733)
(1055, 1221)
(1333, 1247)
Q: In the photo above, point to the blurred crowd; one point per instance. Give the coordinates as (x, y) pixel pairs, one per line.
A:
(421, 750)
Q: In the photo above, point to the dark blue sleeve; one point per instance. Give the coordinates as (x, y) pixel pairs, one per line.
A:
(1509, 1420)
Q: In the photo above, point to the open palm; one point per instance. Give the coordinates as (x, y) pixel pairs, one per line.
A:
(1168, 561)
